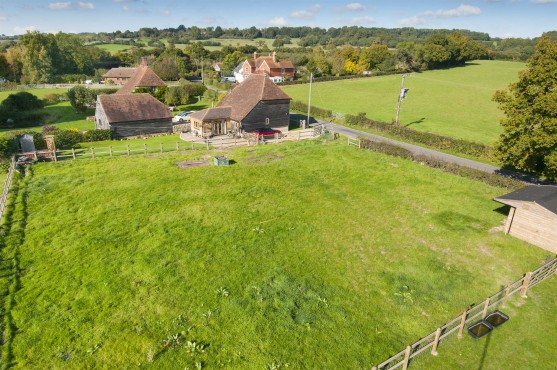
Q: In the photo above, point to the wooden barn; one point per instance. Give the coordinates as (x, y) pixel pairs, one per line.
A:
(143, 77)
(533, 215)
(132, 115)
(256, 102)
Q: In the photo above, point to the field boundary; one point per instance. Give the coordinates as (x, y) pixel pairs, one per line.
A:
(472, 313)
(6, 189)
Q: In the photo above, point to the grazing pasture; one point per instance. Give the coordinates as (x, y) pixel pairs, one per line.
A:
(308, 254)
(453, 102)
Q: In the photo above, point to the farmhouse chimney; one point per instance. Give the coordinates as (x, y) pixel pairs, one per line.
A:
(254, 55)
(274, 57)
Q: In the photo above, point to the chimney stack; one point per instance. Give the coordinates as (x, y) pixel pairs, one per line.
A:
(254, 55)
(274, 57)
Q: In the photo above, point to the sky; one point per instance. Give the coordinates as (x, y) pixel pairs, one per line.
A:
(499, 18)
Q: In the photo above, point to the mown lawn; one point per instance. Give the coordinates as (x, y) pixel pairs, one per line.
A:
(296, 254)
(455, 102)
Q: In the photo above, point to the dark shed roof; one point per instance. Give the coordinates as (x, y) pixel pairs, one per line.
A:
(133, 107)
(544, 195)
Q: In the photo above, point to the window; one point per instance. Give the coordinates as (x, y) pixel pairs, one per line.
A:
(282, 70)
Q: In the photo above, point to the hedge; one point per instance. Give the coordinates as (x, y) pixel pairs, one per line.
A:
(315, 111)
(488, 178)
(432, 140)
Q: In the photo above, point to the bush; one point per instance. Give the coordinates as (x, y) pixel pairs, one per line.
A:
(432, 140)
(97, 135)
(488, 178)
(53, 98)
(19, 102)
(66, 139)
(315, 111)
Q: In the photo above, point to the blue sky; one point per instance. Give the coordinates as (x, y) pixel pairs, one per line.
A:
(499, 18)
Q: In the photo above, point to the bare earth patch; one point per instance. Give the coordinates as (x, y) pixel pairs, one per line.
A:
(193, 164)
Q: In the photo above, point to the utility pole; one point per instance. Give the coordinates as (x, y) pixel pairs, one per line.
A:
(202, 81)
(309, 98)
(401, 96)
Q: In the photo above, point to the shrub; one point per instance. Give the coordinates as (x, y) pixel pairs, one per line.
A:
(432, 140)
(488, 178)
(97, 135)
(53, 98)
(65, 139)
(19, 102)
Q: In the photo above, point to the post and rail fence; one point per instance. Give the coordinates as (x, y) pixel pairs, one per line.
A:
(471, 314)
(6, 189)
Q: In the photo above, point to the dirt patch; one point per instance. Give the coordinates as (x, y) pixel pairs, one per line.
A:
(193, 164)
(266, 158)
(496, 229)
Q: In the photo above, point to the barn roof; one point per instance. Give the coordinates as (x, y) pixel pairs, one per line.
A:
(544, 195)
(132, 107)
(121, 72)
(212, 113)
(245, 96)
(143, 77)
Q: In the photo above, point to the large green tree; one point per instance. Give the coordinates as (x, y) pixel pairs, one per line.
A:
(529, 140)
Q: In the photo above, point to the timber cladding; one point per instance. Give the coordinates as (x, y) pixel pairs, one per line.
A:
(276, 111)
(533, 215)
(137, 128)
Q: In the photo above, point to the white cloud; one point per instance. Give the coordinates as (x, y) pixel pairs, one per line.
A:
(412, 21)
(363, 20)
(87, 6)
(277, 22)
(309, 13)
(352, 7)
(60, 6)
(21, 30)
(165, 12)
(462, 10)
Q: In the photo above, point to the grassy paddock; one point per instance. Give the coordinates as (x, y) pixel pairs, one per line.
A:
(303, 253)
(454, 102)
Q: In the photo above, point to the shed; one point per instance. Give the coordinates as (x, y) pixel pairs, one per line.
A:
(132, 115)
(533, 215)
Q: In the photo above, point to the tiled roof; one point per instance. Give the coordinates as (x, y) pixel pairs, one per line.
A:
(210, 114)
(121, 72)
(246, 95)
(544, 195)
(133, 107)
(144, 77)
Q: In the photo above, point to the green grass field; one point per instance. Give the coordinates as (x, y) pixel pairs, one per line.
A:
(296, 254)
(114, 48)
(454, 102)
(240, 42)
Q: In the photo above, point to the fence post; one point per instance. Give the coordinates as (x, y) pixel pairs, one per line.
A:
(128, 149)
(92, 153)
(177, 146)
(359, 144)
(145, 148)
(436, 342)
(110, 150)
(73, 153)
(54, 155)
(406, 358)
(207, 143)
(506, 296)
(525, 285)
(462, 323)
(161, 147)
(486, 306)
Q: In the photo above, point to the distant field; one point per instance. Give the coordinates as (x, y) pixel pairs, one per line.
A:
(454, 102)
(309, 254)
(239, 42)
(114, 48)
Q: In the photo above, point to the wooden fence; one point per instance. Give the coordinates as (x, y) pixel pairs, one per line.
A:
(355, 142)
(474, 313)
(6, 190)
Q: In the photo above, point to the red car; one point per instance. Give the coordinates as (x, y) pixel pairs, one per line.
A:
(266, 132)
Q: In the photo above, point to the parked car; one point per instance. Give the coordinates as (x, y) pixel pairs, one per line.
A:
(182, 117)
(266, 132)
(228, 79)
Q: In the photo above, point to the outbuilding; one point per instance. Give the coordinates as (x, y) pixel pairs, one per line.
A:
(132, 115)
(533, 215)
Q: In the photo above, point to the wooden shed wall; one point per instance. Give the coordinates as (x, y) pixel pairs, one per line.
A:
(278, 112)
(136, 128)
(536, 225)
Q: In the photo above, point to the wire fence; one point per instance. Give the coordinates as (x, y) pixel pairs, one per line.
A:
(6, 189)
(476, 312)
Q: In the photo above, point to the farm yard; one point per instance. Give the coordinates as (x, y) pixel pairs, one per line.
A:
(454, 102)
(298, 254)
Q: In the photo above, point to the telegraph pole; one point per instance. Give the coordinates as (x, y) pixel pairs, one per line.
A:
(401, 96)
(309, 97)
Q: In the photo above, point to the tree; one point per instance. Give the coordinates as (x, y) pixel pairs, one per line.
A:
(529, 139)
(232, 60)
